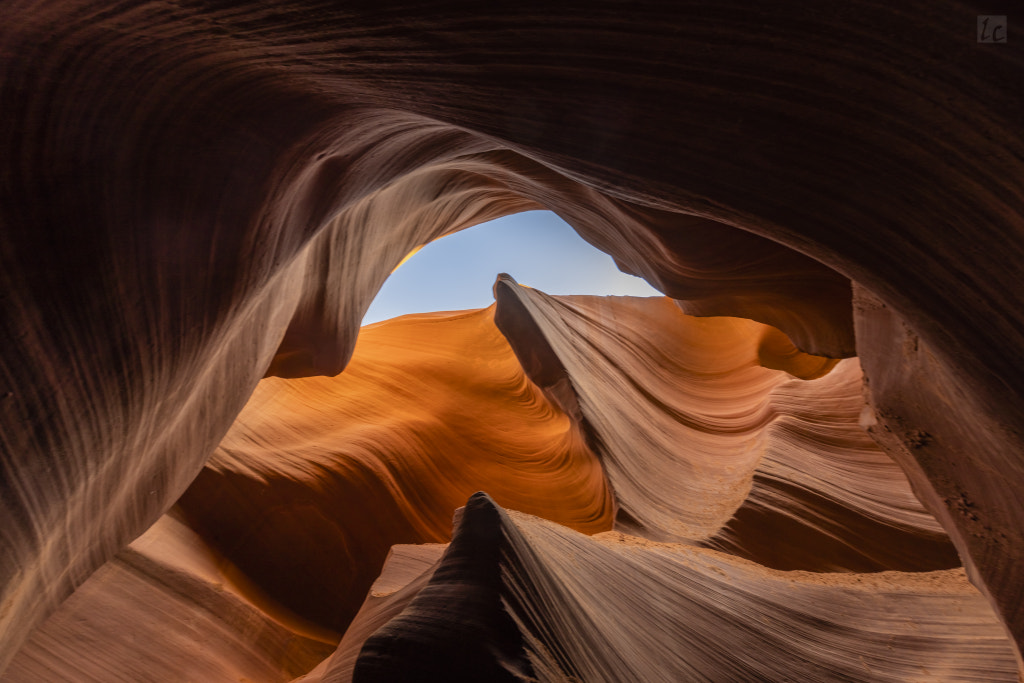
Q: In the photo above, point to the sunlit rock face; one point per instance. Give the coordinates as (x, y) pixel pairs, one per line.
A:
(592, 412)
(642, 379)
(701, 442)
(196, 196)
(319, 477)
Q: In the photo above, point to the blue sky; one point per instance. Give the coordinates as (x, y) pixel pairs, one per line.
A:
(537, 248)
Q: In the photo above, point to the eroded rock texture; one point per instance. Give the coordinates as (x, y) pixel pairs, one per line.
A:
(196, 194)
(545, 593)
(825, 496)
(645, 379)
(701, 442)
(169, 608)
(320, 476)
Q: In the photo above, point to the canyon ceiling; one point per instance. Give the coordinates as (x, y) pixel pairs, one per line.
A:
(804, 463)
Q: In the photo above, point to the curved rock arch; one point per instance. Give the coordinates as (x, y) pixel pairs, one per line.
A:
(171, 170)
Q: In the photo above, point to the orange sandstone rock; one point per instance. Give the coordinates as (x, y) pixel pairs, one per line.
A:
(320, 476)
(193, 195)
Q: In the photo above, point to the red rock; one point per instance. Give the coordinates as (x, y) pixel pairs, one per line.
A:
(194, 196)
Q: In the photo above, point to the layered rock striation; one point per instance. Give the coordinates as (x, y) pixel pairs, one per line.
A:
(290, 523)
(320, 476)
(535, 600)
(196, 195)
(704, 443)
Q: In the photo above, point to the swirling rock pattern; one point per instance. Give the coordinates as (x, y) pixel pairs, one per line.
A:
(167, 608)
(434, 405)
(320, 476)
(688, 614)
(825, 496)
(196, 194)
(645, 380)
(702, 443)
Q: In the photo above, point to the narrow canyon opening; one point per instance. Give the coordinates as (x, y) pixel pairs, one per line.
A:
(538, 248)
(802, 462)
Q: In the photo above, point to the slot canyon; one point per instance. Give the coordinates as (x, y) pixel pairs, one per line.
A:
(804, 462)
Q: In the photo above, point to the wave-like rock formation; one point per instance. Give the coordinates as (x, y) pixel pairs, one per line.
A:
(168, 608)
(702, 443)
(534, 600)
(320, 476)
(433, 406)
(672, 404)
(679, 411)
(194, 195)
(825, 496)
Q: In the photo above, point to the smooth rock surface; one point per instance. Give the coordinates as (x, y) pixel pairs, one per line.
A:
(194, 195)
(615, 607)
(320, 476)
